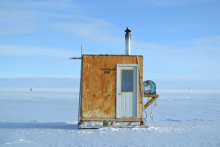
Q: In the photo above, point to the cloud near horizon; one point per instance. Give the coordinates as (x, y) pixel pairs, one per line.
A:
(197, 46)
(35, 51)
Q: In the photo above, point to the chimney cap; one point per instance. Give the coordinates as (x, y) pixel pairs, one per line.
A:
(127, 30)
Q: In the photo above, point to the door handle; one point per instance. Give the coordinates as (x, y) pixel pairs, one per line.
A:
(119, 94)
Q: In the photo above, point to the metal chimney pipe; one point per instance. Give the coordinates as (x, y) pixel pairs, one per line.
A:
(127, 42)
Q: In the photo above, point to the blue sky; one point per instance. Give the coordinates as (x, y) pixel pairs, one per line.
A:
(179, 39)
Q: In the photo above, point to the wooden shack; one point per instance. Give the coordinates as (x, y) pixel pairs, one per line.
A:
(111, 90)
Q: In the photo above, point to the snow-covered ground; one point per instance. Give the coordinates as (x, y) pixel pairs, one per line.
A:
(48, 118)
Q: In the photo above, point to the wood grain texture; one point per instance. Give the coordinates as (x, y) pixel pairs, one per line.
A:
(99, 85)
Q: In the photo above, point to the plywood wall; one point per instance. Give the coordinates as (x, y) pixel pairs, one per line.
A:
(99, 85)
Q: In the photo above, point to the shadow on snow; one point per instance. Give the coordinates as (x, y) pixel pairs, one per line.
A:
(38, 125)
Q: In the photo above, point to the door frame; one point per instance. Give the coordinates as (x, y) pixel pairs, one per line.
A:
(137, 83)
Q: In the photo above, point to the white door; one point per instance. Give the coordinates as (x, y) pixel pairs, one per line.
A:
(127, 91)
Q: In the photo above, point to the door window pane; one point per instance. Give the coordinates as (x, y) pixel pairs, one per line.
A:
(127, 80)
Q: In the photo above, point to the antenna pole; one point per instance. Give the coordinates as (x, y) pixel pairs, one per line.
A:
(81, 50)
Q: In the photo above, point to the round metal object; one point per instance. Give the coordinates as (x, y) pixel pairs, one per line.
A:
(149, 87)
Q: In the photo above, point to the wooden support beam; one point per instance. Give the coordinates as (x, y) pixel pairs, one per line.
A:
(116, 120)
(151, 95)
(153, 98)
